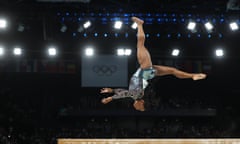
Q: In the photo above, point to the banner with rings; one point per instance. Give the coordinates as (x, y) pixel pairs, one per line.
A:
(104, 71)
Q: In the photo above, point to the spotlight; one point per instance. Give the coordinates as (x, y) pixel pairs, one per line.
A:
(191, 26)
(89, 51)
(52, 51)
(118, 25)
(128, 52)
(1, 51)
(175, 52)
(233, 26)
(208, 26)
(122, 52)
(219, 52)
(17, 51)
(3, 23)
(134, 25)
(87, 24)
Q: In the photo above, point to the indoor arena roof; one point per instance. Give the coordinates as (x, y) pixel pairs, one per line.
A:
(122, 5)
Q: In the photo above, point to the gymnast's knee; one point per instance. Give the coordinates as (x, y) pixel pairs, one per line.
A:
(141, 37)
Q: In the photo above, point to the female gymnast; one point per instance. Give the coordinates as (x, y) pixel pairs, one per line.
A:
(145, 72)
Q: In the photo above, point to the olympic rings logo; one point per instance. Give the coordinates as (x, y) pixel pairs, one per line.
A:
(104, 70)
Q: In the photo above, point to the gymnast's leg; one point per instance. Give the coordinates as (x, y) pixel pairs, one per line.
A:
(166, 70)
(143, 56)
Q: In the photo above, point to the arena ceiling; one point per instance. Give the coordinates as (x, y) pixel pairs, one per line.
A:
(203, 6)
(41, 20)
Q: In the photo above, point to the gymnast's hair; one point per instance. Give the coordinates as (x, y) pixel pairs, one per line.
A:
(151, 99)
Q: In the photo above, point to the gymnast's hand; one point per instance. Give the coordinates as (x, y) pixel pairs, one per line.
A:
(106, 100)
(106, 90)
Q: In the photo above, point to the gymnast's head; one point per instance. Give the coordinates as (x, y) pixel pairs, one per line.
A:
(139, 105)
(143, 105)
(150, 100)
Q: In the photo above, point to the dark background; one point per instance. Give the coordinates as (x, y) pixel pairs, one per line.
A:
(42, 98)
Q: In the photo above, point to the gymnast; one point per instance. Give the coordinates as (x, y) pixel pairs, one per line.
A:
(144, 73)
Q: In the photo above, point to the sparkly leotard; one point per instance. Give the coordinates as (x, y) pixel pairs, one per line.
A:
(138, 83)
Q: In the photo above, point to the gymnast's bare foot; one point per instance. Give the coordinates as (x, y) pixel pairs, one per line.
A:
(199, 76)
(137, 20)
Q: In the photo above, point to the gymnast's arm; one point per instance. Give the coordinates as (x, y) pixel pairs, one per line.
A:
(118, 94)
